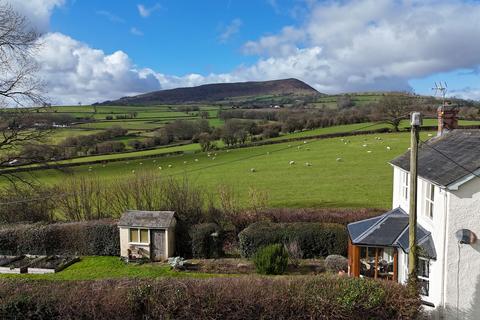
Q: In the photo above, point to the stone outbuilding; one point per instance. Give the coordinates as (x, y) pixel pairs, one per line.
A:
(147, 235)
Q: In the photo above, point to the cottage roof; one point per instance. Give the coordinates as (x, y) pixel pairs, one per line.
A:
(457, 157)
(147, 219)
(389, 230)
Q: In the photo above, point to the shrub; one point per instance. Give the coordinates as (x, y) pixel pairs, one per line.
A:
(336, 263)
(207, 240)
(314, 239)
(79, 238)
(271, 259)
(319, 297)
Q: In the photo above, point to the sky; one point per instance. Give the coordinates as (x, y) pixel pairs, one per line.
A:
(97, 50)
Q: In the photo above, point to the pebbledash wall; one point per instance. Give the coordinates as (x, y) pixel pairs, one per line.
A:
(455, 274)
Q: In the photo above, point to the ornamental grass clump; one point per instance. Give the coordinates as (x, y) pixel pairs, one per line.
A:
(272, 259)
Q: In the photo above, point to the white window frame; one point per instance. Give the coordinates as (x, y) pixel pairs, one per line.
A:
(429, 201)
(405, 184)
(138, 231)
(427, 278)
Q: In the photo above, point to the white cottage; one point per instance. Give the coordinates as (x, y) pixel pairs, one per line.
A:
(448, 207)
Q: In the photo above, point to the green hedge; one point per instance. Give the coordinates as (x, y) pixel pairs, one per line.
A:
(314, 239)
(76, 238)
(319, 297)
(207, 240)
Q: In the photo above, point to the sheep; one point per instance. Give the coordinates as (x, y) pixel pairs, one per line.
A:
(291, 163)
(141, 163)
(308, 164)
(196, 160)
(365, 145)
(388, 148)
(184, 162)
(133, 171)
(253, 170)
(213, 158)
(369, 151)
(304, 142)
(169, 165)
(159, 168)
(339, 159)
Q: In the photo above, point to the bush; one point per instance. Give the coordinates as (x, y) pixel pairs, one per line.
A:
(314, 239)
(271, 259)
(336, 263)
(207, 241)
(79, 238)
(319, 297)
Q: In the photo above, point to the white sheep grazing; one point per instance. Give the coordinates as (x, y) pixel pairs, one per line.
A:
(228, 151)
(342, 139)
(141, 163)
(304, 141)
(213, 158)
(253, 170)
(308, 164)
(184, 162)
(365, 145)
(133, 171)
(291, 163)
(369, 151)
(196, 160)
(159, 168)
(388, 148)
(169, 165)
(339, 159)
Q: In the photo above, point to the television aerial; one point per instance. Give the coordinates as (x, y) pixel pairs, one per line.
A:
(441, 89)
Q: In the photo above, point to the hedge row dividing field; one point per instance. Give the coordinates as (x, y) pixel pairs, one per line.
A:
(321, 297)
(337, 172)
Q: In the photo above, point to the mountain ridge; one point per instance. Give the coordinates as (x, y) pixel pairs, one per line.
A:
(216, 92)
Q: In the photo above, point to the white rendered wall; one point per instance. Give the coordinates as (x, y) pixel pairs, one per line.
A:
(463, 283)
(435, 225)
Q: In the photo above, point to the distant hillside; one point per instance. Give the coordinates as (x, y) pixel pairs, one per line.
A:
(220, 92)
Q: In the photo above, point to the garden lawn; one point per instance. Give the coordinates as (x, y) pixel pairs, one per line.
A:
(340, 175)
(95, 268)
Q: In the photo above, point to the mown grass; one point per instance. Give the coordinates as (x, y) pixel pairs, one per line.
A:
(359, 179)
(96, 268)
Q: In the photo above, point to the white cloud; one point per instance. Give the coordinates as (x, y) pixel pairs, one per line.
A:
(110, 16)
(374, 44)
(468, 93)
(38, 12)
(75, 72)
(136, 32)
(230, 30)
(147, 11)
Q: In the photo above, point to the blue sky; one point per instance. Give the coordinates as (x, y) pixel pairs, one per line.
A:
(98, 50)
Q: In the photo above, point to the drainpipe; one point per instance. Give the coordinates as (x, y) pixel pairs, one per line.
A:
(444, 267)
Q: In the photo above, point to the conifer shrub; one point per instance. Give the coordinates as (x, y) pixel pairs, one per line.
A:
(272, 259)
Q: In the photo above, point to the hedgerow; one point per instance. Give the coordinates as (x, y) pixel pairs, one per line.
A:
(77, 238)
(207, 240)
(314, 239)
(319, 297)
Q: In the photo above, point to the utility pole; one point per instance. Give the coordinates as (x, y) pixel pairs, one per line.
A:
(416, 122)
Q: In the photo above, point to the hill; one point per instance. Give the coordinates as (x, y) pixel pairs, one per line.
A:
(219, 92)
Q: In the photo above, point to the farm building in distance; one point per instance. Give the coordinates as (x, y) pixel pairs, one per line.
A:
(448, 218)
(147, 235)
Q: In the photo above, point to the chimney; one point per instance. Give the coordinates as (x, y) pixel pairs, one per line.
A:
(447, 119)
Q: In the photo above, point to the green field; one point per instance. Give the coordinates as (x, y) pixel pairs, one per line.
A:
(96, 268)
(360, 179)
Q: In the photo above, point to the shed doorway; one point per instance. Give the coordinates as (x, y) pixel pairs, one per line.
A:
(157, 251)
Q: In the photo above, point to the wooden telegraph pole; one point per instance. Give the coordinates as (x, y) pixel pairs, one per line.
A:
(416, 122)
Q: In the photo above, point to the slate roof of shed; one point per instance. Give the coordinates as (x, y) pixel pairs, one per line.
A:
(461, 146)
(390, 230)
(147, 219)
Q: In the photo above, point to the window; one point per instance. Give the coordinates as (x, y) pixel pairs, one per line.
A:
(429, 199)
(423, 275)
(139, 235)
(405, 184)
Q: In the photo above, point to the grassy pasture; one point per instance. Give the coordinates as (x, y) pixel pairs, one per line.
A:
(359, 179)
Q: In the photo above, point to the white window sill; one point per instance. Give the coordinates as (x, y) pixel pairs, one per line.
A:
(140, 243)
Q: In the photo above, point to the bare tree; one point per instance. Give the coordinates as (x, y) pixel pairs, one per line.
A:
(19, 85)
(392, 110)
